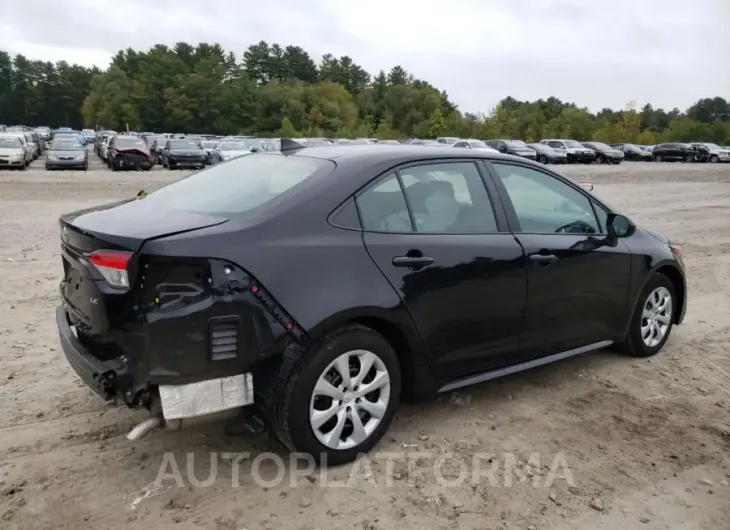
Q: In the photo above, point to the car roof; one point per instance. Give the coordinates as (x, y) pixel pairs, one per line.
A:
(397, 154)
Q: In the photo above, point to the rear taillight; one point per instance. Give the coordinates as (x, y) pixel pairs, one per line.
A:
(112, 264)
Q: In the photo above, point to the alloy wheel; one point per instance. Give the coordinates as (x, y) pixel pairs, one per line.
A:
(349, 400)
(656, 317)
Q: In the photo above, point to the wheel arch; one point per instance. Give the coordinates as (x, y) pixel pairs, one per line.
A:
(680, 288)
(397, 328)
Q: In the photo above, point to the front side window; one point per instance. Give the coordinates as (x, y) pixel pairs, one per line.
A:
(555, 144)
(545, 204)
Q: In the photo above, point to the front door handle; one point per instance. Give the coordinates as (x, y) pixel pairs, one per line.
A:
(412, 261)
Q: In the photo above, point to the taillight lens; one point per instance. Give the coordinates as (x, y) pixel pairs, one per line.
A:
(112, 264)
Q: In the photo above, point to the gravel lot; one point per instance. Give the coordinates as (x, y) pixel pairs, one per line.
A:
(646, 442)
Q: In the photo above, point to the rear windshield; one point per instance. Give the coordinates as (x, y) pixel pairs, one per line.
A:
(128, 143)
(240, 185)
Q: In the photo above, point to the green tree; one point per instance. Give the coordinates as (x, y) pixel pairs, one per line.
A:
(436, 124)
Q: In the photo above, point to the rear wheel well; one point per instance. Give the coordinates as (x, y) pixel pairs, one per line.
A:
(402, 348)
(679, 288)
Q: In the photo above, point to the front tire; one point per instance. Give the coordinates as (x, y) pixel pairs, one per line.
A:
(543, 159)
(653, 318)
(341, 397)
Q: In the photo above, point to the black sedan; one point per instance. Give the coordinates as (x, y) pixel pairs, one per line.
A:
(633, 152)
(182, 153)
(605, 154)
(317, 287)
(548, 155)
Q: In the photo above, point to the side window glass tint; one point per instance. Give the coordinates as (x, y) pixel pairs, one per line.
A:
(557, 145)
(383, 207)
(346, 216)
(602, 215)
(546, 205)
(448, 198)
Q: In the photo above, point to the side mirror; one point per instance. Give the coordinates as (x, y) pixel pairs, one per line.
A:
(619, 225)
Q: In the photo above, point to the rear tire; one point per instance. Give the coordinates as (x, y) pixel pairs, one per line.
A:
(600, 160)
(299, 416)
(543, 159)
(653, 318)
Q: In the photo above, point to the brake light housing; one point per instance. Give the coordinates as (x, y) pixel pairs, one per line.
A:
(113, 265)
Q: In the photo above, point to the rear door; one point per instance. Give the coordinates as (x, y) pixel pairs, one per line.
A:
(578, 279)
(442, 242)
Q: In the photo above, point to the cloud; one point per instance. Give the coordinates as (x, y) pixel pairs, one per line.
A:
(598, 54)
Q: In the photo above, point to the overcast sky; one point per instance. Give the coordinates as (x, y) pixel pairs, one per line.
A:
(597, 53)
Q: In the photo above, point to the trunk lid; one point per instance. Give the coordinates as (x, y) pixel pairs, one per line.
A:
(128, 224)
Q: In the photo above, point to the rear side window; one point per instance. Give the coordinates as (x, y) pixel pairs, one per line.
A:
(240, 185)
(383, 207)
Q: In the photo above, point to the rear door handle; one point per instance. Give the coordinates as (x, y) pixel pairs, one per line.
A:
(543, 259)
(412, 261)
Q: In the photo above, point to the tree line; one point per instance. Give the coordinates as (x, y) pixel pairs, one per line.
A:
(283, 91)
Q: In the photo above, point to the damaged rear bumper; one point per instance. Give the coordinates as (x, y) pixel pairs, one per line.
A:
(112, 379)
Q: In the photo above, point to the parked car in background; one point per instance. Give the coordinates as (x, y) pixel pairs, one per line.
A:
(672, 152)
(605, 154)
(448, 140)
(647, 148)
(89, 134)
(35, 149)
(473, 143)
(129, 152)
(12, 153)
(208, 146)
(513, 147)
(24, 142)
(224, 151)
(66, 152)
(451, 268)
(424, 141)
(701, 153)
(575, 150)
(716, 153)
(104, 149)
(633, 152)
(548, 155)
(183, 152)
(153, 141)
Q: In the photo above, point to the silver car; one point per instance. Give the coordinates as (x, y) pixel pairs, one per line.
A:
(24, 142)
(12, 154)
(228, 150)
(67, 153)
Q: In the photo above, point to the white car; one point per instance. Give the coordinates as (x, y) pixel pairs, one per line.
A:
(27, 148)
(576, 151)
(12, 153)
(474, 144)
(105, 147)
(228, 150)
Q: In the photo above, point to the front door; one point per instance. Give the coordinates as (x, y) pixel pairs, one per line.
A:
(578, 278)
(432, 231)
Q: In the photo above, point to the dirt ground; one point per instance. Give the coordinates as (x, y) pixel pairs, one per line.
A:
(621, 443)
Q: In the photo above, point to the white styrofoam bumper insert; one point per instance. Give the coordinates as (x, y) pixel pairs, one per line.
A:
(206, 397)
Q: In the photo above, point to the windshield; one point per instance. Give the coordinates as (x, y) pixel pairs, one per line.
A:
(254, 142)
(234, 146)
(478, 144)
(9, 143)
(66, 146)
(240, 185)
(128, 143)
(208, 145)
(572, 144)
(184, 144)
(712, 146)
(600, 145)
(631, 147)
(516, 143)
